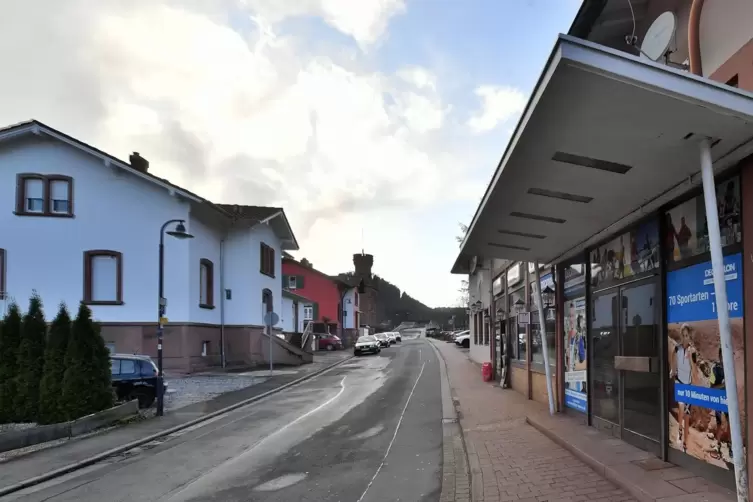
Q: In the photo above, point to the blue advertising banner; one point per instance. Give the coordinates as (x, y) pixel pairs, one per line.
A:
(576, 400)
(697, 370)
(690, 291)
(715, 399)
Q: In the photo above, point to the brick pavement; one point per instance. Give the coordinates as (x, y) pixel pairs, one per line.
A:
(510, 460)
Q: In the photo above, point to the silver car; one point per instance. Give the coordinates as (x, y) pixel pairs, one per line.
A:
(367, 345)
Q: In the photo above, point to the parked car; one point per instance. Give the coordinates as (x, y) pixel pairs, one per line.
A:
(432, 332)
(391, 337)
(383, 339)
(134, 377)
(367, 345)
(463, 339)
(398, 336)
(330, 342)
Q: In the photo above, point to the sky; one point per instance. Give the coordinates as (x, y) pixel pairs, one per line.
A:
(375, 124)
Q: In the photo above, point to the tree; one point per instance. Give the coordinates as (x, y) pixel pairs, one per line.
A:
(86, 381)
(51, 404)
(30, 361)
(307, 263)
(464, 298)
(10, 335)
(463, 231)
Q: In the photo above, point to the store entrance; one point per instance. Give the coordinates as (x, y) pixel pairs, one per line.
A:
(625, 357)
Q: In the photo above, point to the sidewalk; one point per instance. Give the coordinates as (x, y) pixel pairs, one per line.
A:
(43, 461)
(511, 460)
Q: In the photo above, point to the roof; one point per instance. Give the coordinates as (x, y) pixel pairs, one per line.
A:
(574, 171)
(295, 296)
(251, 212)
(230, 211)
(332, 278)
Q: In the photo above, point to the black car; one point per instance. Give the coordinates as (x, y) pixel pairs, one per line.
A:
(134, 377)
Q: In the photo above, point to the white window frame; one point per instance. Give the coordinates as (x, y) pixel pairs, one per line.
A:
(308, 312)
(292, 282)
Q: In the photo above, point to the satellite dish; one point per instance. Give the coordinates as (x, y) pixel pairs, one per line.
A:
(659, 35)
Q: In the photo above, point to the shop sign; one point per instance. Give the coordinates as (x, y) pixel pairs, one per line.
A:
(524, 318)
(513, 274)
(687, 231)
(698, 403)
(576, 355)
(628, 255)
(575, 277)
(497, 286)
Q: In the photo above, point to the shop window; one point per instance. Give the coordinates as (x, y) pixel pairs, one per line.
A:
(537, 354)
(628, 256)
(687, 238)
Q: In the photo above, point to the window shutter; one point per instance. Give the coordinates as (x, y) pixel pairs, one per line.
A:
(262, 256)
(316, 311)
(285, 281)
(299, 281)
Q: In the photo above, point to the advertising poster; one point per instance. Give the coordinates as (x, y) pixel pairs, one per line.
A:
(698, 419)
(575, 355)
(630, 254)
(687, 231)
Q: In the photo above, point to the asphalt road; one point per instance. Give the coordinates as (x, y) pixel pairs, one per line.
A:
(369, 430)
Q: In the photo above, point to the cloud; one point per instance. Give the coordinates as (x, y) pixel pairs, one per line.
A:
(498, 105)
(225, 103)
(364, 20)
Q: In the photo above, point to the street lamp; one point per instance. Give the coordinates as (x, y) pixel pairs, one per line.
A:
(179, 233)
(547, 295)
(519, 305)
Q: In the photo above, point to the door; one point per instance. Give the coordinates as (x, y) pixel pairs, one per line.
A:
(641, 380)
(625, 355)
(296, 325)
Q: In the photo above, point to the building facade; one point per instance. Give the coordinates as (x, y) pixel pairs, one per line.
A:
(81, 225)
(606, 196)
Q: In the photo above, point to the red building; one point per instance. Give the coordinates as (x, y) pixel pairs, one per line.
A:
(326, 291)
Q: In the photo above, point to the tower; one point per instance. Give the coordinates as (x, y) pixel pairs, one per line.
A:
(363, 263)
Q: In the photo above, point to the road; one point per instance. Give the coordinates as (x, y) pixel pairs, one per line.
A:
(369, 430)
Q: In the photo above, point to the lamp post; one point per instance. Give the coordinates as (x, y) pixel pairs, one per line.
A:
(179, 233)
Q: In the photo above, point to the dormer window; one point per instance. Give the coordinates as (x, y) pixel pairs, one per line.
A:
(44, 195)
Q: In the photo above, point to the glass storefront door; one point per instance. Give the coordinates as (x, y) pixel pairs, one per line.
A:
(625, 352)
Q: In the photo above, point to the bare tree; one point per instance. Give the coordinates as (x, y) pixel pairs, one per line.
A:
(463, 231)
(464, 298)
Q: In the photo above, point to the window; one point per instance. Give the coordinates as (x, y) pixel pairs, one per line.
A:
(3, 291)
(308, 312)
(266, 300)
(292, 282)
(204, 349)
(206, 284)
(115, 366)
(44, 195)
(267, 266)
(127, 366)
(103, 277)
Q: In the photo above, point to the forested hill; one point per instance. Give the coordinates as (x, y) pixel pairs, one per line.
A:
(395, 306)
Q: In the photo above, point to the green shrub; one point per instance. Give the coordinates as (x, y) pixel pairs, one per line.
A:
(30, 361)
(86, 381)
(51, 404)
(10, 336)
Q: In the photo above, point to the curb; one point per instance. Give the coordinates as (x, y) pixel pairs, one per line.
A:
(453, 432)
(133, 444)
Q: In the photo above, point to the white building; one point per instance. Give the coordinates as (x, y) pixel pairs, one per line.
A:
(82, 225)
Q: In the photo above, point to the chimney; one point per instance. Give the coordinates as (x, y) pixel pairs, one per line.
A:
(139, 163)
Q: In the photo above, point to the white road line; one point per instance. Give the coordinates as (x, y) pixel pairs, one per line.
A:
(308, 413)
(399, 422)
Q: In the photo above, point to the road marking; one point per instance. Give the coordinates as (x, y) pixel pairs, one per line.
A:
(308, 413)
(399, 422)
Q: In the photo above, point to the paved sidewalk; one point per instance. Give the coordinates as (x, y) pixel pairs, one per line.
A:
(38, 463)
(509, 459)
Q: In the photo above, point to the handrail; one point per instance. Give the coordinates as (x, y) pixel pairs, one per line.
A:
(306, 333)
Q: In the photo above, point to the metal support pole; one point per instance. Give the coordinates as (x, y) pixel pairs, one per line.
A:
(269, 333)
(720, 293)
(160, 314)
(542, 332)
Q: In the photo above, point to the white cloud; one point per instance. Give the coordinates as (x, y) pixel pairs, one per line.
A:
(364, 20)
(498, 104)
(243, 117)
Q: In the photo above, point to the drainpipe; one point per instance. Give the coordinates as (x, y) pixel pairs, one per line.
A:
(694, 38)
(542, 334)
(720, 294)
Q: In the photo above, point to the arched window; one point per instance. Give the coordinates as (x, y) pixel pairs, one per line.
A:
(266, 300)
